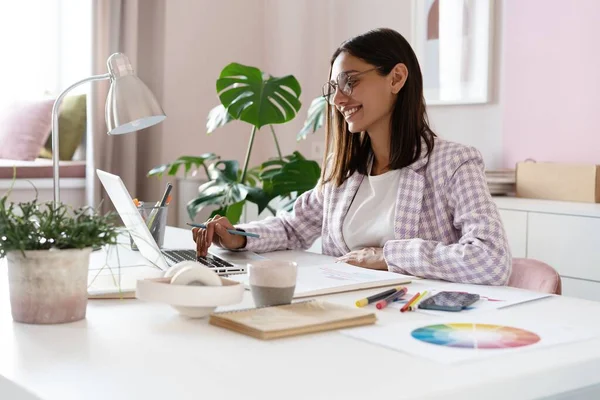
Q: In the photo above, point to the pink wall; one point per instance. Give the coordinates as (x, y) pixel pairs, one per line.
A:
(551, 82)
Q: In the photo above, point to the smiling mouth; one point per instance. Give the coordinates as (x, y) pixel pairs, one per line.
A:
(351, 111)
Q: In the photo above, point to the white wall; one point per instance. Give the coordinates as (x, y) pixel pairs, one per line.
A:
(297, 42)
(476, 125)
(201, 37)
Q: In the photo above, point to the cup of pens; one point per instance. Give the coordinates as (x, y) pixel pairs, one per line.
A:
(155, 218)
(154, 215)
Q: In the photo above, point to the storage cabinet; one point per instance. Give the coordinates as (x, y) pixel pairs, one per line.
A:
(515, 224)
(564, 235)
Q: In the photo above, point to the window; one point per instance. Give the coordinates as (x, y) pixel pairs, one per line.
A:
(45, 45)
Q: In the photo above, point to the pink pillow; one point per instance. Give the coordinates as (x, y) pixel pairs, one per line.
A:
(24, 129)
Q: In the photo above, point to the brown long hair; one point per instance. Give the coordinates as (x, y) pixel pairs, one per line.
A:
(382, 48)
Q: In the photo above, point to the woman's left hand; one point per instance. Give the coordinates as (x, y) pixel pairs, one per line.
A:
(369, 257)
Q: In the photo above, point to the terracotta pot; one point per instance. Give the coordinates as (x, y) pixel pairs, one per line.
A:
(48, 286)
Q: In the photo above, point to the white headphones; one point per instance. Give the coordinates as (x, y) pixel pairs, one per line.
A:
(191, 288)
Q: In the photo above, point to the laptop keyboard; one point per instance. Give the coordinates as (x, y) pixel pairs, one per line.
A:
(217, 264)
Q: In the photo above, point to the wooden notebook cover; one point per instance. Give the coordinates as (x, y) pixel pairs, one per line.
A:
(292, 319)
(112, 296)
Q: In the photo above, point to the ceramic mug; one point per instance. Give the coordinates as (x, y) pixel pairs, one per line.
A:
(272, 282)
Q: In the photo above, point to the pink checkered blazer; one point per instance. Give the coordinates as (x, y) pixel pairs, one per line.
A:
(447, 225)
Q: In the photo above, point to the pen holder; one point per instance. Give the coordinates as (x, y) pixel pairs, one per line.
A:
(155, 219)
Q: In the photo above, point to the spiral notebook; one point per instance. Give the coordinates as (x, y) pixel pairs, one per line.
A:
(292, 319)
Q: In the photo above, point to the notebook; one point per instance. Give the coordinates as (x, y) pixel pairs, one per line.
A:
(292, 319)
(327, 277)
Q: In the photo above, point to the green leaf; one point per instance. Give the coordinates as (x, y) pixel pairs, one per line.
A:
(225, 170)
(217, 117)
(234, 212)
(274, 166)
(273, 162)
(211, 193)
(253, 176)
(259, 197)
(296, 176)
(247, 94)
(186, 161)
(220, 211)
(315, 117)
(295, 156)
(224, 190)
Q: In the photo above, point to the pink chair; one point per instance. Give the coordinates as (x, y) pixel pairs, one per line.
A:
(534, 275)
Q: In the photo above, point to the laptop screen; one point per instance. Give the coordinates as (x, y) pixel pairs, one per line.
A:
(123, 202)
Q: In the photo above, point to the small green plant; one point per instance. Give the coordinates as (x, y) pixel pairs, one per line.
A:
(44, 226)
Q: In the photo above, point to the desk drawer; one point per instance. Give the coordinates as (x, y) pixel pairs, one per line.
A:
(570, 244)
(581, 289)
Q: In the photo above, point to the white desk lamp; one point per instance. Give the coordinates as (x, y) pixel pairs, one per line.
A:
(130, 106)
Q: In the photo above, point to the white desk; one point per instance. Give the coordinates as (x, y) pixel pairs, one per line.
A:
(129, 349)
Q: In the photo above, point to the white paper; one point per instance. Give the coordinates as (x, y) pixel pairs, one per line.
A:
(491, 297)
(327, 278)
(399, 336)
(10, 390)
(314, 280)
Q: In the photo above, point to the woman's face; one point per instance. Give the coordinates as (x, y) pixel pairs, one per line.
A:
(371, 100)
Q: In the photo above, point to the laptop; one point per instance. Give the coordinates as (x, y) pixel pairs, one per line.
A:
(163, 258)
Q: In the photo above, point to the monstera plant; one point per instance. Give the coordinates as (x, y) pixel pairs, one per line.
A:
(250, 95)
(315, 118)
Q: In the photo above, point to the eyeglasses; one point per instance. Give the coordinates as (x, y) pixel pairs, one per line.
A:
(345, 82)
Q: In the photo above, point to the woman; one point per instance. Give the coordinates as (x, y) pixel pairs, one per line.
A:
(392, 195)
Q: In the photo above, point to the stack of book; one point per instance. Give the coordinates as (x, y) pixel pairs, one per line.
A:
(501, 182)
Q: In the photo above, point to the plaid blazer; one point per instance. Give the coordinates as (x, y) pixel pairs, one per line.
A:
(446, 226)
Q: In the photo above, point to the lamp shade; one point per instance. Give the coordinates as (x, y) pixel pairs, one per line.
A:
(130, 105)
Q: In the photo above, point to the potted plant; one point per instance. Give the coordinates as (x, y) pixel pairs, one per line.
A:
(47, 247)
(250, 95)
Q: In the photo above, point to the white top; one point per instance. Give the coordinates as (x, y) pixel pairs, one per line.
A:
(133, 349)
(371, 217)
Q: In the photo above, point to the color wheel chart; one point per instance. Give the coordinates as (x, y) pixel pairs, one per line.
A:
(475, 336)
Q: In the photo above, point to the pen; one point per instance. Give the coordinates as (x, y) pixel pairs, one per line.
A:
(408, 303)
(391, 298)
(378, 296)
(163, 201)
(151, 222)
(232, 231)
(419, 299)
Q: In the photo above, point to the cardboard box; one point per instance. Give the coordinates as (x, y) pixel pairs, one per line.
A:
(557, 181)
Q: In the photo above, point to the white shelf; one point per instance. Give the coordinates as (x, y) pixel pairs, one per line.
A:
(548, 206)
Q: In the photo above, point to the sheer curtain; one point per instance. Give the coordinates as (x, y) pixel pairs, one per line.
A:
(115, 29)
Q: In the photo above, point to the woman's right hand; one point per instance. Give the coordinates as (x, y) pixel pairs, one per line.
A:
(216, 233)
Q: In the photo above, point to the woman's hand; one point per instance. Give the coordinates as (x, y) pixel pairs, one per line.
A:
(369, 257)
(216, 232)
